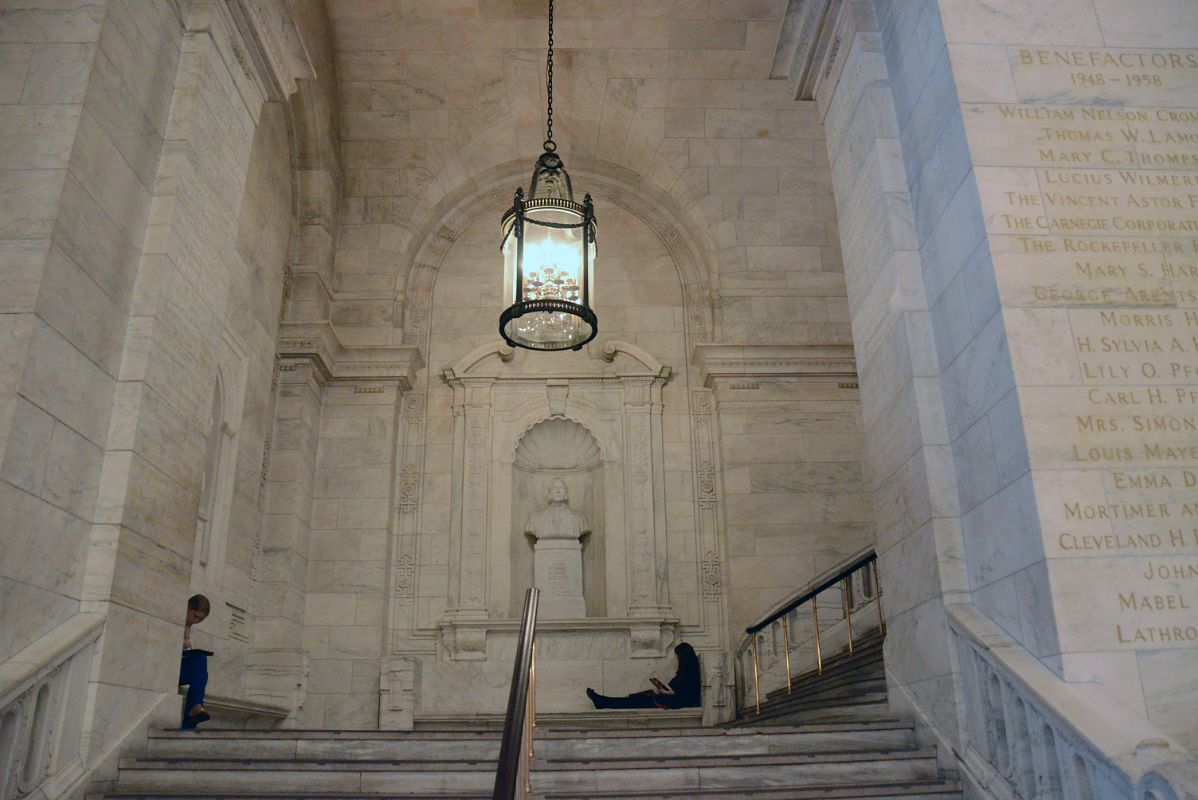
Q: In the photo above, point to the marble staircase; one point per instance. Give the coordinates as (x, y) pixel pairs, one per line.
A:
(830, 737)
(851, 686)
(878, 758)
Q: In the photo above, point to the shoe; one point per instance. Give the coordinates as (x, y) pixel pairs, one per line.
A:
(195, 718)
(596, 698)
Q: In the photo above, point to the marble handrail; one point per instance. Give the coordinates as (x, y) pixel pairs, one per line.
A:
(1036, 736)
(43, 697)
(515, 749)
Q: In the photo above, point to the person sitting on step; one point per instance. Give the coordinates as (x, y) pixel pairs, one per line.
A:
(193, 668)
(684, 690)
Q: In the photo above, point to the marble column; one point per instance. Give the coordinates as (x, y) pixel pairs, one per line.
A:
(468, 514)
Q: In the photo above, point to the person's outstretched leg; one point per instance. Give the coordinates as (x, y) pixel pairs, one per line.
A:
(638, 700)
(193, 673)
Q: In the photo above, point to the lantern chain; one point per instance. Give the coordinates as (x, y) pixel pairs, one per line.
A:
(550, 145)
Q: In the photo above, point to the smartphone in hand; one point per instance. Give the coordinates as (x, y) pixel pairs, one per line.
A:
(661, 687)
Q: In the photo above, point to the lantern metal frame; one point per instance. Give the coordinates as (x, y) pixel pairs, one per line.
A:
(550, 171)
(513, 224)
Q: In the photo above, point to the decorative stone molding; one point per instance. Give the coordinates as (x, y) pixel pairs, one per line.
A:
(604, 409)
(466, 640)
(719, 688)
(274, 45)
(740, 361)
(318, 342)
(809, 44)
(399, 687)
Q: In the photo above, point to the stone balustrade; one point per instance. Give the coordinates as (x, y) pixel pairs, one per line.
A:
(43, 694)
(1031, 736)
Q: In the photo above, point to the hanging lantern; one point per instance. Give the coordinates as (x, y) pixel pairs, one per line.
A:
(549, 253)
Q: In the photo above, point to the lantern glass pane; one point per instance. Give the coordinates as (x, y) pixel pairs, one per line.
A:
(552, 270)
(510, 248)
(552, 256)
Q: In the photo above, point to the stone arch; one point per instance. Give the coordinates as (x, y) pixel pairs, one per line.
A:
(690, 249)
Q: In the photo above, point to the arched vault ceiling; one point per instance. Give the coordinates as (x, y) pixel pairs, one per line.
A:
(437, 91)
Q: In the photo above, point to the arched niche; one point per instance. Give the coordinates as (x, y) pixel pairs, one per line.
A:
(552, 449)
(596, 421)
(690, 249)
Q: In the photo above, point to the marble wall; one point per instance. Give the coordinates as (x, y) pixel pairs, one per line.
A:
(438, 112)
(148, 205)
(307, 207)
(1078, 121)
(1038, 221)
(73, 78)
(319, 182)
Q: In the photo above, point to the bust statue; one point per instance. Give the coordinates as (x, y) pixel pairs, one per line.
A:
(557, 532)
(557, 520)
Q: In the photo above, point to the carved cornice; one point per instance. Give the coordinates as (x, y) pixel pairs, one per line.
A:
(739, 361)
(494, 361)
(810, 52)
(275, 44)
(338, 362)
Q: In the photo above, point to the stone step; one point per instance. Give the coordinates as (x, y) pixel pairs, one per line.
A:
(551, 745)
(851, 687)
(860, 668)
(864, 707)
(613, 719)
(826, 693)
(431, 777)
(914, 790)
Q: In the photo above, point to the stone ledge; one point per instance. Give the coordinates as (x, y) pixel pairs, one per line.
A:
(465, 639)
(738, 361)
(318, 341)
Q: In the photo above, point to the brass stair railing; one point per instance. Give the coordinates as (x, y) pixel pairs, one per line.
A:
(513, 775)
(857, 585)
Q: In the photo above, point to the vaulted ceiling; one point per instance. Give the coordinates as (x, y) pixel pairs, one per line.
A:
(629, 73)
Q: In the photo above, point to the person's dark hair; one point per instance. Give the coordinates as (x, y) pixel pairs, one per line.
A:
(688, 660)
(197, 602)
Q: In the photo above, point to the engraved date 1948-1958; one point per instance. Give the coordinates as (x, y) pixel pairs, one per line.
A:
(1131, 79)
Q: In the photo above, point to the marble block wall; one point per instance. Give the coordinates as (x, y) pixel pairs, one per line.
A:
(65, 289)
(347, 562)
(1037, 224)
(1077, 119)
(206, 302)
(148, 194)
(792, 480)
(676, 103)
(908, 469)
(182, 176)
(678, 96)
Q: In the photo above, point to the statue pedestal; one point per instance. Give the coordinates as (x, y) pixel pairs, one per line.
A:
(557, 572)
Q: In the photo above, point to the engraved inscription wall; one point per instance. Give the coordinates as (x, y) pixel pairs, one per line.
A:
(1089, 186)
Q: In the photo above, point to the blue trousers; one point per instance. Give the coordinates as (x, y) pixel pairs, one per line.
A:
(193, 673)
